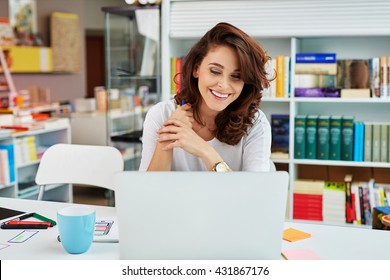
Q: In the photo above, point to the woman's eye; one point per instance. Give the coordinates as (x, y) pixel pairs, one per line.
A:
(215, 72)
(236, 77)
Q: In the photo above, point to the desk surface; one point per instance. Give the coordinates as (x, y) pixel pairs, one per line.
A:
(328, 242)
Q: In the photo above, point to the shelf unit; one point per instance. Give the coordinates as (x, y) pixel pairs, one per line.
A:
(25, 169)
(349, 28)
(132, 43)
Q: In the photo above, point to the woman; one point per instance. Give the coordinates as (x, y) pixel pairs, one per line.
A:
(219, 127)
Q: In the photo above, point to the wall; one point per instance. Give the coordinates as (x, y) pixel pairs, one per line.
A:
(94, 17)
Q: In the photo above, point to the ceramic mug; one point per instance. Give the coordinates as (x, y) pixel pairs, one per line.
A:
(76, 225)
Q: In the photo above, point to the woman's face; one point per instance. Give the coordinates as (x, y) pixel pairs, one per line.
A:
(219, 79)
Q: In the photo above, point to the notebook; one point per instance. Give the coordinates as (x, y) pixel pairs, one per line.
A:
(200, 215)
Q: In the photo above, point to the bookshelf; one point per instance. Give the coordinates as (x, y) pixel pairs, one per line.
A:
(133, 75)
(351, 29)
(27, 148)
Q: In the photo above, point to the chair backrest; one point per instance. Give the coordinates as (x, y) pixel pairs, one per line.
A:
(272, 166)
(79, 164)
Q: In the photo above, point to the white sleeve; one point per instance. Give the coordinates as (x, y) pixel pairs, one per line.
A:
(154, 120)
(257, 147)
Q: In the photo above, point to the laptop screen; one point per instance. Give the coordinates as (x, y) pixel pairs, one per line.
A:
(201, 215)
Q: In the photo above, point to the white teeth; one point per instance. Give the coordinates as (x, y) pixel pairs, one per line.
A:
(219, 94)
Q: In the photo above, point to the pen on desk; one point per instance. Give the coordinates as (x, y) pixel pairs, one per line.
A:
(15, 222)
(25, 216)
(44, 219)
(21, 226)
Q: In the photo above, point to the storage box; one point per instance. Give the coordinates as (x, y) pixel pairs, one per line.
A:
(30, 59)
(381, 218)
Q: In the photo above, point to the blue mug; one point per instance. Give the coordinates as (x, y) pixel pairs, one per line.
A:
(76, 226)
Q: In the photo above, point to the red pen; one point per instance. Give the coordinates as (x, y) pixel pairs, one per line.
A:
(15, 222)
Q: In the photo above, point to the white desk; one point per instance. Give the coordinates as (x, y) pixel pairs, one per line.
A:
(328, 242)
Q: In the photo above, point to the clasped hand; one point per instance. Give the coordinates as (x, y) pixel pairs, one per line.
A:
(178, 133)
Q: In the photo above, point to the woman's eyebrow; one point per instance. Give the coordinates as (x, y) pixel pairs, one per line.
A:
(221, 66)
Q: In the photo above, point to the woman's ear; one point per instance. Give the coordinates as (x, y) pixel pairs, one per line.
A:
(195, 73)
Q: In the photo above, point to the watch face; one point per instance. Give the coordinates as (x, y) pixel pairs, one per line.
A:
(222, 167)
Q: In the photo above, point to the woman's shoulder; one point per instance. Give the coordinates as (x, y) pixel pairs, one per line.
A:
(166, 106)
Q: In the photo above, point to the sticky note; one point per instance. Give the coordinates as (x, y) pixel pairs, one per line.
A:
(293, 235)
(301, 254)
(23, 236)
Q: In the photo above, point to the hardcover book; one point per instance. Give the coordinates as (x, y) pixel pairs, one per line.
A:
(323, 137)
(374, 67)
(299, 136)
(376, 142)
(316, 68)
(347, 138)
(311, 136)
(335, 138)
(315, 58)
(313, 81)
(367, 141)
(384, 142)
(280, 127)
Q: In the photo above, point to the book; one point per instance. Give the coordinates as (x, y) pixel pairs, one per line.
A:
(323, 137)
(317, 92)
(315, 58)
(374, 67)
(280, 69)
(367, 141)
(383, 76)
(299, 136)
(355, 93)
(280, 129)
(335, 138)
(314, 81)
(384, 142)
(376, 142)
(311, 137)
(347, 136)
(9, 148)
(349, 211)
(316, 68)
(358, 141)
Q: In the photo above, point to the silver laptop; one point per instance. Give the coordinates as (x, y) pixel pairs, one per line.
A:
(200, 215)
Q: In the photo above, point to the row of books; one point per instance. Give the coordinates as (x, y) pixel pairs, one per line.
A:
(176, 70)
(280, 130)
(322, 75)
(340, 138)
(325, 201)
(278, 70)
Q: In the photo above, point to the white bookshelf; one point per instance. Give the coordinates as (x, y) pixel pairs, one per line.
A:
(25, 169)
(349, 28)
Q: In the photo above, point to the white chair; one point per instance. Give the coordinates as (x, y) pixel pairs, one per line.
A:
(78, 164)
(272, 166)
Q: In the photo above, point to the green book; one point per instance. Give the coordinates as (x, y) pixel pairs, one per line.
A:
(323, 137)
(335, 138)
(299, 136)
(311, 137)
(367, 141)
(376, 142)
(384, 140)
(347, 137)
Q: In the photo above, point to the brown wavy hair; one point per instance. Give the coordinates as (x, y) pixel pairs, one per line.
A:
(233, 122)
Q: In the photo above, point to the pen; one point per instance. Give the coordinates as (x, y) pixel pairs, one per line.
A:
(182, 102)
(25, 216)
(44, 219)
(13, 226)
(14, 222)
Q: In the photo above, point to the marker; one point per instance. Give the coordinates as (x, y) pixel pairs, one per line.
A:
(36, 226)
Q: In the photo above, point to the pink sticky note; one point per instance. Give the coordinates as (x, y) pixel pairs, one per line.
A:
(302, 254)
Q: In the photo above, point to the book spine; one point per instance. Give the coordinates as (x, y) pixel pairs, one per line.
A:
(384, 144)
(316, 68)
(356, 142)
(388, 76)
(374, 76)
(280, 76)
(309, 92)
(173, 73)
(376, 139)
(299, 136)
(347, 138)
(367, 141)
(383, 76)
(361, 204)
(335, 138)
(286, 82)
(323, 137)
(349, 217)
(311, 136)
(315, 58)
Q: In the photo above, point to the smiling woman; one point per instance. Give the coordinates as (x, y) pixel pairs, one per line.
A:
(221, 87)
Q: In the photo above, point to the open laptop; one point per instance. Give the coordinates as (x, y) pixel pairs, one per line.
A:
(200, 215)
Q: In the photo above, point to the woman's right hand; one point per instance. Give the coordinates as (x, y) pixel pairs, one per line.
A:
(184, 114)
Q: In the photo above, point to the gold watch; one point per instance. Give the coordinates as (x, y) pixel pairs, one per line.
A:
(221, 167)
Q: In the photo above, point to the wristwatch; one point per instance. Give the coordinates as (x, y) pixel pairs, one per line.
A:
(221, 167)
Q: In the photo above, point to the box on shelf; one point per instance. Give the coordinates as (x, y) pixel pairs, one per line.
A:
(30, 59)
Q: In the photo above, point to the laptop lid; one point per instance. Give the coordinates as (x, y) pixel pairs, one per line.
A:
(200, 215)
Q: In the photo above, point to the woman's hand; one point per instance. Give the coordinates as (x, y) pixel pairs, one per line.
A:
(184, 114)
(177, 134)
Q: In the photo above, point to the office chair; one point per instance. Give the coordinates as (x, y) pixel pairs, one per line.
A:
(78, 164)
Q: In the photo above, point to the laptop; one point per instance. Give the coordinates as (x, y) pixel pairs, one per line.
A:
(200, 215)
